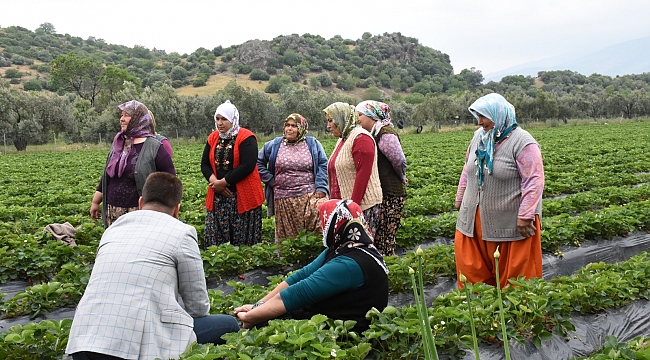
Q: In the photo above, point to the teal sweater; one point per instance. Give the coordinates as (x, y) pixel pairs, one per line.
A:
(316, 281)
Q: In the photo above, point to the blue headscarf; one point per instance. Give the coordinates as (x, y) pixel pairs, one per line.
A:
(496, 108)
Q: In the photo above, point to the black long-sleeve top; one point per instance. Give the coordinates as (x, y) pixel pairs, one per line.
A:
(247, 162)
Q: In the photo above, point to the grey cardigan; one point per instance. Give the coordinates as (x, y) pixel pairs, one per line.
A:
(500, 196)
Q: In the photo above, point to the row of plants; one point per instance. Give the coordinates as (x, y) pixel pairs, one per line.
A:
(38, 261)
(534, 310)
(228, 260)
(67, 286)
(68, 183)
(637, 349)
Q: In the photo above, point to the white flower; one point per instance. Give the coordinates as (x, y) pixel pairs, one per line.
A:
(333, 352)
(354, 234)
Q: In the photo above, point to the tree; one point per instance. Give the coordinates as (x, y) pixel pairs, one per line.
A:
(276, 83)
(178, 73)
(256, 109)
(29, 117)
(47, 28)
(472, 77)
(324, 79)
(168, 108)
(81, 75)
(372, 93)
(258, 74)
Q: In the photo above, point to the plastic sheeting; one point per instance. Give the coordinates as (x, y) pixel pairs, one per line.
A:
(625, 323)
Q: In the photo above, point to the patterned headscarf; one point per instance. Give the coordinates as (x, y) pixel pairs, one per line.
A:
(344, 116)
(138, 127)
(378, 111)
(152, 127)
(496, 108)
(230, 112)
(344, 226)
(301, 122)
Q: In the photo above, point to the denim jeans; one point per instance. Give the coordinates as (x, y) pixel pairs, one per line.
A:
(208, 329)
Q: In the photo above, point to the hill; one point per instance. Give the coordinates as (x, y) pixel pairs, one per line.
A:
(629, 57)
(386, 63)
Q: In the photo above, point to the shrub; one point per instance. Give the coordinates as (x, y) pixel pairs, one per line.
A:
(33, 85)
(13, 74)
(258, 74)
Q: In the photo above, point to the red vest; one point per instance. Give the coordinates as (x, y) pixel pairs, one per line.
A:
(249, 190)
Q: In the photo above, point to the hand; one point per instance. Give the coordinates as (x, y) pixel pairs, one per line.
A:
(218, 185)
(526, 227)
(95, 211)
(457, 204)
(245, 324)
(243, 308)
(319, 194)
(226, 192)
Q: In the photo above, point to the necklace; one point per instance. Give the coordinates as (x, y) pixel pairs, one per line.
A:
(222, 152)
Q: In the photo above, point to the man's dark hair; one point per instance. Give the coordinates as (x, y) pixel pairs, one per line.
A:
(163, 189)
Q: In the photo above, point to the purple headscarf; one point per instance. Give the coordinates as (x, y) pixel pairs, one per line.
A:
(138, 127)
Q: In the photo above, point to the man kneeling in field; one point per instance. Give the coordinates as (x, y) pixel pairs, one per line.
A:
(145, 260)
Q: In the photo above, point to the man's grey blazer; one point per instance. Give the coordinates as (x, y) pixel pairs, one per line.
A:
(145, 260)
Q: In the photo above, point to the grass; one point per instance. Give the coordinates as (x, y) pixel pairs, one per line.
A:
(218, 82)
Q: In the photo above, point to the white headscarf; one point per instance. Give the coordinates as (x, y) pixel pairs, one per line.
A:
(230, 112)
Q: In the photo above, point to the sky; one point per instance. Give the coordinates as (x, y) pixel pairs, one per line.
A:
(489, 35)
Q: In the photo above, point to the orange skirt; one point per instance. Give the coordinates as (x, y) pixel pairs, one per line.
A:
(475, 257)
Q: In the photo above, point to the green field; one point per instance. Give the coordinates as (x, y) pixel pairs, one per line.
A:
(597, 187)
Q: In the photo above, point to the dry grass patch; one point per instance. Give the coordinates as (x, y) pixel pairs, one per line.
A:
(218, 82)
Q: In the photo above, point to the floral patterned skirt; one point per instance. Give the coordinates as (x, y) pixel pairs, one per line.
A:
(226, 225)
(389, 221)
(296, 213)
(371, 215)
(113, 212)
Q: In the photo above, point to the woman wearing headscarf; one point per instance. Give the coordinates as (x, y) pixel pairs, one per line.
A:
(234, 198)
(134, 154)
(352, 167)
(374, 116)
(345, 281)
(499, 198)
(293, 168)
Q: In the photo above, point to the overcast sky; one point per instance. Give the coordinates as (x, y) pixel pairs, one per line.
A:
(488, 35)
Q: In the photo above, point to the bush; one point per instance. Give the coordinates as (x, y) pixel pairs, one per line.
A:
(13, 74)
(258, 74)
(271, 70)
(276, 83)
(324, 79)
(227, 57)
(21, 60)
(178, 73)
(200, 80)
(33, 85)
(347, 84)
(246, 69)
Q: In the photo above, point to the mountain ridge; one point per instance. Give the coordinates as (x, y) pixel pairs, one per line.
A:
(625, 58)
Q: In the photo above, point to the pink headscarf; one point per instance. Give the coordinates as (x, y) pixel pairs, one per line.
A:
(138, 127)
